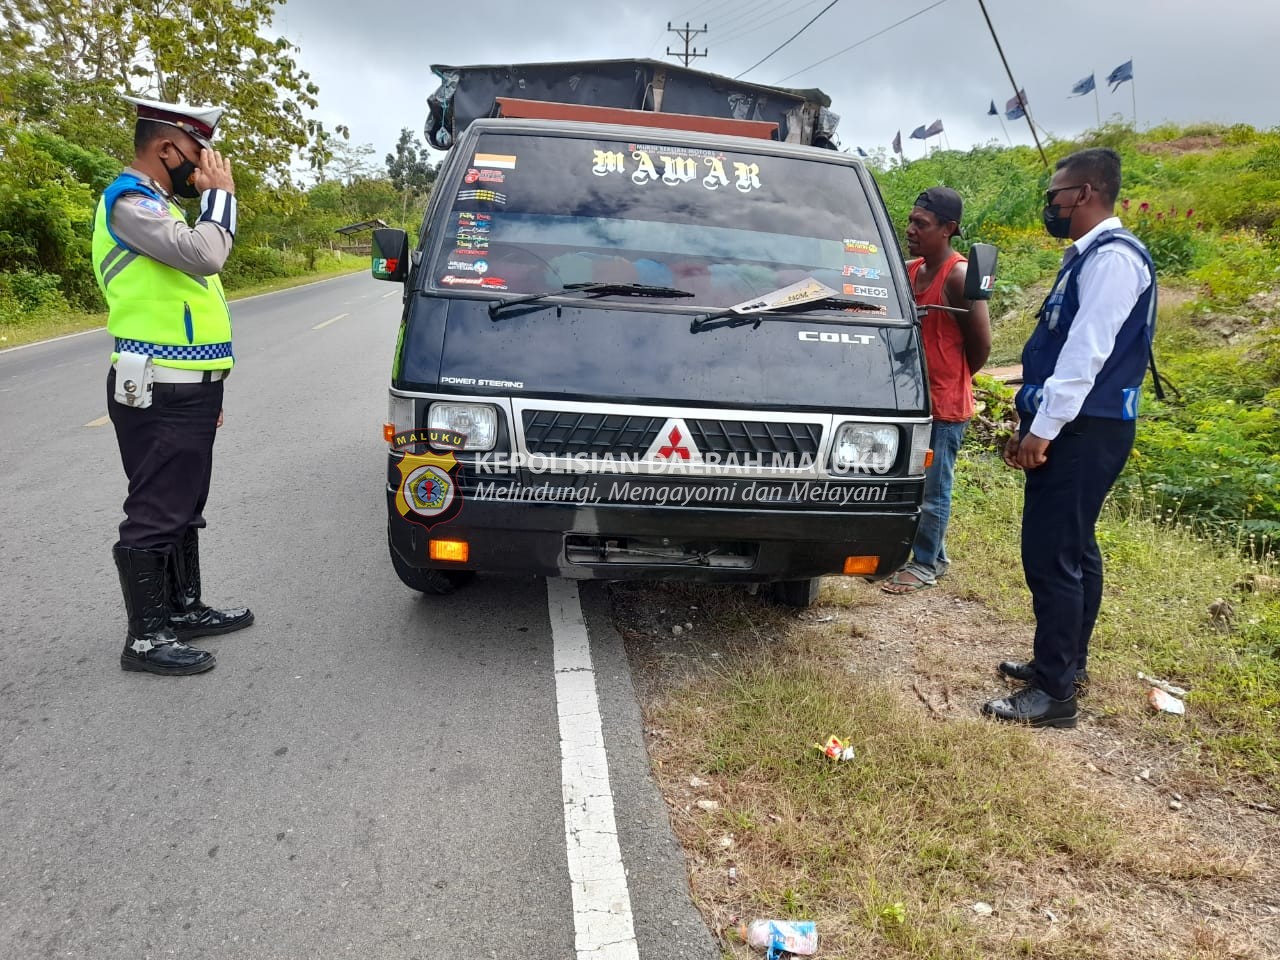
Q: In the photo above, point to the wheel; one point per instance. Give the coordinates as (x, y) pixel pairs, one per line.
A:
(429, 581)
(798, 593)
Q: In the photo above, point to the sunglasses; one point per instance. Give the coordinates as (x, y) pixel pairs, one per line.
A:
(1050, 194)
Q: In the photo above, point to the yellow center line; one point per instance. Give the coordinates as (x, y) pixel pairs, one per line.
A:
(325, 323)
(100, 422)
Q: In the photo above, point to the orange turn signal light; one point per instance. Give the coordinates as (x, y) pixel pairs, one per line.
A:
(928, 458)
(388, 432)
(455, 550)
(861, 566)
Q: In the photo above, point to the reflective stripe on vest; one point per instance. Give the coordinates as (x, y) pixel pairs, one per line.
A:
(180, 319)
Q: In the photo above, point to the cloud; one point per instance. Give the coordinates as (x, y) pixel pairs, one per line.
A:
(1190, 64)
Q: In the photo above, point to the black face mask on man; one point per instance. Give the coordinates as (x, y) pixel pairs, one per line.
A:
(1055, 221)
(181, 176)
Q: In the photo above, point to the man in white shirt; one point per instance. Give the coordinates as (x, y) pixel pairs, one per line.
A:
(1082, 370)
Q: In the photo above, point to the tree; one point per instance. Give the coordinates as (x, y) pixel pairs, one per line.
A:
(411, 170)
(410, 167)
(206, 52)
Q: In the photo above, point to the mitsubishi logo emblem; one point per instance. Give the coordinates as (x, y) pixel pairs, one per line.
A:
(673, 447)
(674, 443)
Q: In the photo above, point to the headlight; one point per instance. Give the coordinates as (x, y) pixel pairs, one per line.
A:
(865, 448)
(478, 422)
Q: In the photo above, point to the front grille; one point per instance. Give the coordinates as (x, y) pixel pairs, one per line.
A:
(567, 434)
(564, 434)
(755, 437)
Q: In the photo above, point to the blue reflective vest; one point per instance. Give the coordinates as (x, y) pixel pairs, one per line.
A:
(1117, 389)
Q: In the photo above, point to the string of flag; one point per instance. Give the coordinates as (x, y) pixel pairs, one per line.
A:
(1016, 107)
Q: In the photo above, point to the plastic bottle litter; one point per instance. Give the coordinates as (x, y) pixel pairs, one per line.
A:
(1164, 685)
(775, 937)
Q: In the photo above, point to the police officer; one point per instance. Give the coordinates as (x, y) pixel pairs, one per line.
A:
(172, 330)
(1082, 369)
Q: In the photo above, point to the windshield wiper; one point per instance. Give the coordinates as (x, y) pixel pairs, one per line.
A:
(740, 318)
(591, 289)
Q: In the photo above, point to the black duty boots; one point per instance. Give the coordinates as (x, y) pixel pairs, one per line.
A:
(150, 645)
(190, 618)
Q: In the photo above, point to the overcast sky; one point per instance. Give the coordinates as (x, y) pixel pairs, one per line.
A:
(1193, 60)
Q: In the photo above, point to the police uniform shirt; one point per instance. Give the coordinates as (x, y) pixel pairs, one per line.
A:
(1110, 284)
(144, 224)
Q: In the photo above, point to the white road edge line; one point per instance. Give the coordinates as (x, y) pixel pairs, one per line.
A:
(391, 294)
(100, 422)
(602, 920)
(325, 323)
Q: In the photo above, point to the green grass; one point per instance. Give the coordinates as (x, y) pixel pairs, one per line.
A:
(1162, 579)
(59, 323)
(889, 852)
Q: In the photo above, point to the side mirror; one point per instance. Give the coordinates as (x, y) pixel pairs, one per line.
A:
(391, 254)
(980, 278)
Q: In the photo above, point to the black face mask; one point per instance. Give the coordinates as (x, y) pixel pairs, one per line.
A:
(181, 177)
(1057, 223)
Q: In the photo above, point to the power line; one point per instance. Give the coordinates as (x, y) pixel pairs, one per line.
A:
(746, 16)
(746, 29)
(789, 39)
(863, 40)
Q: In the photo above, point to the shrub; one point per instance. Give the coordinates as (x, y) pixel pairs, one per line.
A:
(249, 265)
(1175, 240)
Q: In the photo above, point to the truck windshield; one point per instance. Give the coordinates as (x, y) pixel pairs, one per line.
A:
(536, 213)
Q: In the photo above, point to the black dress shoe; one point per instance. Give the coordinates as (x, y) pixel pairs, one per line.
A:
(1024, 671)
(1033, 707)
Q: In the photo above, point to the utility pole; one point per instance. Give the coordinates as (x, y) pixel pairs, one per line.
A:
(687, 34)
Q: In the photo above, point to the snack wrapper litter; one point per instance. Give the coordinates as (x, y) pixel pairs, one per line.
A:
(835, 748)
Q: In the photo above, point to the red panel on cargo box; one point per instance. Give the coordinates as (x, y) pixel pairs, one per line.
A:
(545, 110)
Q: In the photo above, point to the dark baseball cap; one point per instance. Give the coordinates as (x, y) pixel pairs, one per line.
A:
(944, 203)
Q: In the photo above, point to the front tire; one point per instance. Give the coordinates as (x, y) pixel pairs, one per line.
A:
(429, 581)
(798, 593)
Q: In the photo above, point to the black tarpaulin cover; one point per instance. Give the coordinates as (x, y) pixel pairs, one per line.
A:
(467, 93)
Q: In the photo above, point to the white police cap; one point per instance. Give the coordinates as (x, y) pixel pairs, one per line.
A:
(199, 122)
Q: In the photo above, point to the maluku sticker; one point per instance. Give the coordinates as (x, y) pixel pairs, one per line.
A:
(429, 492)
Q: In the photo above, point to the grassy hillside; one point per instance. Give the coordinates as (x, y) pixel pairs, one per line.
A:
(1206, 200)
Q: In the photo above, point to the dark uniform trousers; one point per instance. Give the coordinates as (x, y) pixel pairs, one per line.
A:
(1060, 556)
(167, 452)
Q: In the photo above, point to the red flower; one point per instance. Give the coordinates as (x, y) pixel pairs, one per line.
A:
(1160, 215)
(1124, 204)
(1144, 208)
(1189, 213)
(1199, 224)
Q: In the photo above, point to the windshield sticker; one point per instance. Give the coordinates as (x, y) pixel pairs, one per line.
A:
(673, 167)
(484, 176)
(476, 249)
(473, 266)
(485, 196)
(491, 283)
(860, 247)
(867, 273)
(499, 160)
(878, 308)
(857, 290)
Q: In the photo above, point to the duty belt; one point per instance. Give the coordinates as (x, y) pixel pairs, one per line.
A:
(161, 351)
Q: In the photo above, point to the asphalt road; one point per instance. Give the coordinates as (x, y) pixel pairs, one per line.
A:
(366, 773)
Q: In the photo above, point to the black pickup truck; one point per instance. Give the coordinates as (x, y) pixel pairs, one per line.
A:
(639, 344)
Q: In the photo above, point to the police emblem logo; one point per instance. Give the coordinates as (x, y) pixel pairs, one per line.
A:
(428, 491)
